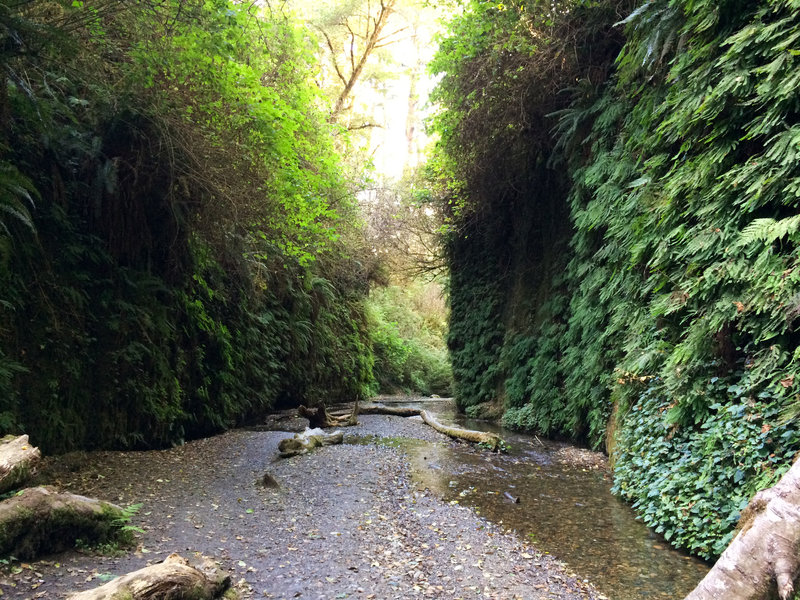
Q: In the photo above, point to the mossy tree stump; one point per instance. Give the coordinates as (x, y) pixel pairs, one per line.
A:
(42, 520)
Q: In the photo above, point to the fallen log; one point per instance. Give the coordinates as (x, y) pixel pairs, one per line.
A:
(18, 461)
(490, 440)
(282, 421)
(304, 442)
(763, 560)
(382, 409)
(319, 417)
(173, 579)
(41, 520)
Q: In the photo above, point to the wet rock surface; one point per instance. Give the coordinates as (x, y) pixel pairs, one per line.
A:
(344, 522)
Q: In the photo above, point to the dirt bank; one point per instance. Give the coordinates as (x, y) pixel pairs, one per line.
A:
(345, 523)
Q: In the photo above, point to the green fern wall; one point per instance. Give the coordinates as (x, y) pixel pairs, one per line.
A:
(672, 301)
(176, 236)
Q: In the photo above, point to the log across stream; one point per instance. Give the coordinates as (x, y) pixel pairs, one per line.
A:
(561, 500)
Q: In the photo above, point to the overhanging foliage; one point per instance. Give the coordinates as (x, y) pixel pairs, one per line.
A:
(193, 262)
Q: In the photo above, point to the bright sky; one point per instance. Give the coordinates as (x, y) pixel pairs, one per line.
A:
(392, 152)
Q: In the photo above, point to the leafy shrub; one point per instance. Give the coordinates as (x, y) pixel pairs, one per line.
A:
(407, 341)
(690, 483)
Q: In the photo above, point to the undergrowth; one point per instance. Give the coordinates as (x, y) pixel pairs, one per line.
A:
(407, 328)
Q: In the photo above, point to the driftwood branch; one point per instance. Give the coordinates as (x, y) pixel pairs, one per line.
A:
(40, 520)
(304, 442)
(492, 440)
(763, 560)
(363, 126)
(18, 461)
(174, 578)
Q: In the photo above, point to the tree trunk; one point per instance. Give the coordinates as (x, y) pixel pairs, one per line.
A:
(319, 417)
(173, 579)
(398, 411)
(18, 461)
(372, 40)
(763, 560)
(491, 440)
(41, 520)
(304, 442)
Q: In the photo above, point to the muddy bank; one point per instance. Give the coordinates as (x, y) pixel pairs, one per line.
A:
(346, 522)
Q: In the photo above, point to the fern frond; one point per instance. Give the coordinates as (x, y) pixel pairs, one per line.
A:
(769, 230)
(16, 195)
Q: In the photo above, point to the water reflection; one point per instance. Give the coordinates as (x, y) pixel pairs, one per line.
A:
(565, 509)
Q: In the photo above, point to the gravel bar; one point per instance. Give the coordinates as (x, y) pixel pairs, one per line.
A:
(346, 522)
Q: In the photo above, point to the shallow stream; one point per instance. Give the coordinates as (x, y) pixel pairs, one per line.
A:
(564, 506)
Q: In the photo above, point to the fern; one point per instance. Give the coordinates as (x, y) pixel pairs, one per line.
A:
(769, 230)
(17, 194)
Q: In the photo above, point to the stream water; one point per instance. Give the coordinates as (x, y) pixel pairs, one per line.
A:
(565, 507)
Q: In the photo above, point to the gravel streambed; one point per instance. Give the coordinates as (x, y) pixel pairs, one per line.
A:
(346, 522)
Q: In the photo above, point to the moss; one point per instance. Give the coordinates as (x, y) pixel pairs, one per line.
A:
(10, 531)
(614, 422)
(32, 531)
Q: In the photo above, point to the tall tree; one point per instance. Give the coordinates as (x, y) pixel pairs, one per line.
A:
(352, 34)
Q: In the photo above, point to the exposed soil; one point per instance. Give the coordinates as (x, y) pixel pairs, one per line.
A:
(346, 522)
